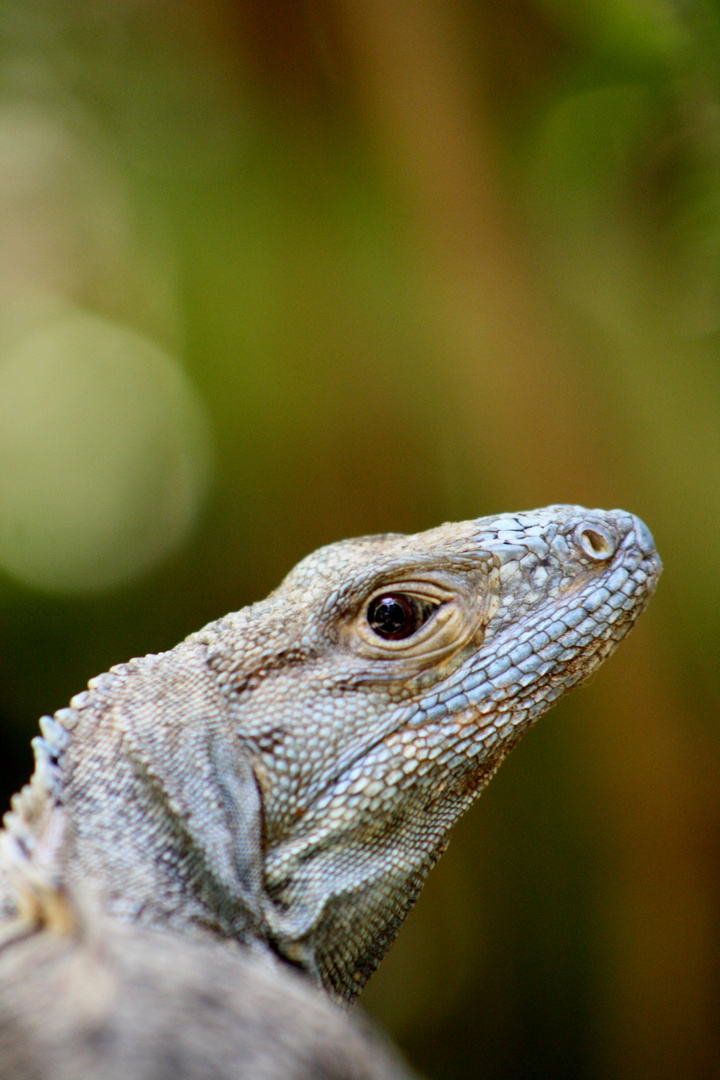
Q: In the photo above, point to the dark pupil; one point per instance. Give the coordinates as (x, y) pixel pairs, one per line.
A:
(393, 617)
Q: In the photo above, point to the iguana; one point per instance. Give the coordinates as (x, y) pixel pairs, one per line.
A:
(280, 783)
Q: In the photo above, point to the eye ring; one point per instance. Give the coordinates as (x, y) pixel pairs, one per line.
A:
(395, 616)
(595, 541)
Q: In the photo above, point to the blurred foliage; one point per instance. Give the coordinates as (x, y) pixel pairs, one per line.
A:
(274, 273)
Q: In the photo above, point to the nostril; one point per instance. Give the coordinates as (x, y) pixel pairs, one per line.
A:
(595, 542)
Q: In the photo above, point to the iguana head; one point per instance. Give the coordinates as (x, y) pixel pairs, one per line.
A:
(378, 688)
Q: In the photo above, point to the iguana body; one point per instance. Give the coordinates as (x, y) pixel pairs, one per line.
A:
(286, 777)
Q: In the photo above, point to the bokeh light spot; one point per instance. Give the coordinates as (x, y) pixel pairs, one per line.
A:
(104, 456)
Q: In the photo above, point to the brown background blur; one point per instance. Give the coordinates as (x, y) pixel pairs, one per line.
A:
(274, 273)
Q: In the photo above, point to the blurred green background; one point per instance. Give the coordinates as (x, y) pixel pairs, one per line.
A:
(274, 273)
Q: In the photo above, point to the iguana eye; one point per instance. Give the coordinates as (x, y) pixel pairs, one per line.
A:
(415, 621)
(398, 615)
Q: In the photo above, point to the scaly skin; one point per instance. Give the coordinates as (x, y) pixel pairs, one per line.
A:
(287, 776)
